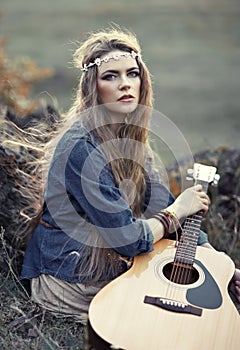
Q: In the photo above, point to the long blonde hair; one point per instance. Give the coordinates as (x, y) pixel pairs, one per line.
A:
(136, 125)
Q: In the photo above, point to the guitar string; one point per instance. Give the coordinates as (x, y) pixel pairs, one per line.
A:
(189, 252)
(181, 270)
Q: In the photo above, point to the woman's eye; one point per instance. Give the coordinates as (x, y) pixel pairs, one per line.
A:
(133, 74)
(109, 77)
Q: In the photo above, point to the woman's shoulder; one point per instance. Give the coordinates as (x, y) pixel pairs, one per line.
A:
(78, 133)
(76, 139)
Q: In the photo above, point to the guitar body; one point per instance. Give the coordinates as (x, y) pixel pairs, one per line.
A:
(121, 315)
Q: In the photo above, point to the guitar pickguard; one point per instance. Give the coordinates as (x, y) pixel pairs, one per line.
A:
(207, 295)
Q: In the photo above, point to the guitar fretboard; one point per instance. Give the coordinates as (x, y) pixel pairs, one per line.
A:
(187, 246)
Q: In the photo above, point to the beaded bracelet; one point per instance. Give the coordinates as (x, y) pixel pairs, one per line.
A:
(167, 219)
(164, 221)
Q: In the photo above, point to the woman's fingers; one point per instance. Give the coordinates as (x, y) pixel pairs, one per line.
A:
(236, 281)
(198, 188)
(199, 201)
(191, 201)
(205, 201)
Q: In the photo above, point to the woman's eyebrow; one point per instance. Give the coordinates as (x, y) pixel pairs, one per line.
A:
(133, 68)
(110, 71)
(116, 70)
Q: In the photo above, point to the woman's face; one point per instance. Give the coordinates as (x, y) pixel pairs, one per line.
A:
(118, 84)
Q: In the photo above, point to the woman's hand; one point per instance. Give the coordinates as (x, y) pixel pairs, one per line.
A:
(190, 202)
(235, 285)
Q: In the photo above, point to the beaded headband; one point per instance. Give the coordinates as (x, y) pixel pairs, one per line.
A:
(97, 62)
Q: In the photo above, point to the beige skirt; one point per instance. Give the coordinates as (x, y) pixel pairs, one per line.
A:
(73, 299)
(63, 298)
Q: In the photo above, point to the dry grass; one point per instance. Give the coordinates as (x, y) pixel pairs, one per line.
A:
(24, 326)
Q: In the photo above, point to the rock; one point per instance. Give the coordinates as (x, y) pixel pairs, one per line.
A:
(44, 114)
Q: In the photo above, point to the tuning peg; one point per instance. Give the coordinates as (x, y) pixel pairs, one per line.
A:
(189, 174)
(216, 179)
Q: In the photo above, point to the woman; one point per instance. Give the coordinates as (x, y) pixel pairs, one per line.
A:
(104, 202)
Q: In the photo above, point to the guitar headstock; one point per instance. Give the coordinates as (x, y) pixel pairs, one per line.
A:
(203, 174)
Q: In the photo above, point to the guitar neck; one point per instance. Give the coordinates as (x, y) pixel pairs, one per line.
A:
(187, 246)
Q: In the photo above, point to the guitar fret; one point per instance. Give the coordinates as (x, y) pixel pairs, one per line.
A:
(188, 244)
(190, 249)
(190, 226)
(193, 223)
(190, 234)
(193, 236)
(185, 256)
(185, 260)
(189, 229)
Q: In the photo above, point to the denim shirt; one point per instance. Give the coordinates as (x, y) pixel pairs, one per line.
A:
(85, 208)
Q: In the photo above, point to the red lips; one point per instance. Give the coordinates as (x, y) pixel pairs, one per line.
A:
(125, 98)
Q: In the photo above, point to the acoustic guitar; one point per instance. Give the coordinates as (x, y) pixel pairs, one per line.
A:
(173, 298)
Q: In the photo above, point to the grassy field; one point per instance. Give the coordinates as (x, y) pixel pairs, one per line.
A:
(192, 49)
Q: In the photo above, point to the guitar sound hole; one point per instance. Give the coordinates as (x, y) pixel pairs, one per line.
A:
(180, 273)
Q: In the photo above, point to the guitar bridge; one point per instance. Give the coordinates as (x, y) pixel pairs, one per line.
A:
(173, 305)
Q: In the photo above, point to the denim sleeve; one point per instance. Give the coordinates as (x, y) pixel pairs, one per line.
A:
(99, 204)
(159, 197)
(203, 238)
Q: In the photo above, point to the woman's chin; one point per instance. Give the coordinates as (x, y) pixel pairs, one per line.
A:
(121, 111)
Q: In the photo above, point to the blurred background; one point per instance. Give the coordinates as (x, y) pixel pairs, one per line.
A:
(192, 49)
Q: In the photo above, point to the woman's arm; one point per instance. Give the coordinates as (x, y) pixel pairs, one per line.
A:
(188, 202)
(158, 197)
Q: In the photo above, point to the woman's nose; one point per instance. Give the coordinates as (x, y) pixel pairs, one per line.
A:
(124, 83)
